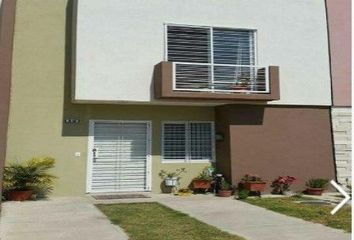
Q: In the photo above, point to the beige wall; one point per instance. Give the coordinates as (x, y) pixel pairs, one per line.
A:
(41, 100)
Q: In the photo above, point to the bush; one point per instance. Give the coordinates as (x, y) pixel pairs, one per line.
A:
(30, 175)
(243, 193)
(317, 183)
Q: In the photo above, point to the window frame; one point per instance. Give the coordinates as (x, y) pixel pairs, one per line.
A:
(166, 24)
(187, 158)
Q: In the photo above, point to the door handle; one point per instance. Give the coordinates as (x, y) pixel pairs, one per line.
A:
(94, 153)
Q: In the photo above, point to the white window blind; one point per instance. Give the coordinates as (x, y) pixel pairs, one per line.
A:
(210, 45)
(188, 141)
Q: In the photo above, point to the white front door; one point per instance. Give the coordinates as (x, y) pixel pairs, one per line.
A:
(119, 156)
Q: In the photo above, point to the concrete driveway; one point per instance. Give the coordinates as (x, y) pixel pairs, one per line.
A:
(56, 219)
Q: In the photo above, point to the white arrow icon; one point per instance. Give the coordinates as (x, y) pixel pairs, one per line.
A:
(344, 201)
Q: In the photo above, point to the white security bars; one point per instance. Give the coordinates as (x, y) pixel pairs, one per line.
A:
(215, 60)
(188, 141)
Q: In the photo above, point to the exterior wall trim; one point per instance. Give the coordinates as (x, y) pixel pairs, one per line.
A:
(7, 25)
(90, 146)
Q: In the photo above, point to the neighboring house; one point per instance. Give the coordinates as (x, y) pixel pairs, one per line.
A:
(117, 91)
(339, 28)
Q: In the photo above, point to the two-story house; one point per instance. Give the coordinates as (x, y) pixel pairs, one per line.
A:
(117, 91)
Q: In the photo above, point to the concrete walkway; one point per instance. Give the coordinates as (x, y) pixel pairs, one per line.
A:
(59, 218)
(248, 221)
(77, 218)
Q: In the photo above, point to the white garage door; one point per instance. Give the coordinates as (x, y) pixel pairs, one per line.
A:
(119, 156)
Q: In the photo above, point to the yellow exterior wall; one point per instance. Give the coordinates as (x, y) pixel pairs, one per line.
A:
(40, 101)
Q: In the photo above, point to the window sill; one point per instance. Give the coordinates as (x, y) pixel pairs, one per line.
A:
(187, 162)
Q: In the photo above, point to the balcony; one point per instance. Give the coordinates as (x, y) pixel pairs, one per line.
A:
(182, 80)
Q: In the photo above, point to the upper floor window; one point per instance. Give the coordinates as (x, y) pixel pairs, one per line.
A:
(211, 45)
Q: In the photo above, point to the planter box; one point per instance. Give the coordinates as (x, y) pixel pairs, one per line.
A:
(19, 195)
(314, 191)
(225, 193)
(201, 184)
(254, 187)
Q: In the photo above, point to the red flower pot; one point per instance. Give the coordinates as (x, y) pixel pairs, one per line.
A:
(254, 186)
(314, 191)
(201, 184)
(17, 195)
(225, 193)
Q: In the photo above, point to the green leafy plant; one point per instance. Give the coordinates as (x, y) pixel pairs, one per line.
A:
(317, 183)
(243, 193)
(225, 185)
(174, 174)
(204, 175)
(30, 175)
(252, 178)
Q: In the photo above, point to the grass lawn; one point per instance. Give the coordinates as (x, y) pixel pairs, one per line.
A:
(314, 213)
(153, 221)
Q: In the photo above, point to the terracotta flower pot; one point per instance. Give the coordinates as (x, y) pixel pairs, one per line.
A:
(254, 186)
(17, 195)
(314, 191)
(225, 193)
(201, 184)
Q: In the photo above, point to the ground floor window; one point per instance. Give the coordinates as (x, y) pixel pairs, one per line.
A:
(188, 141)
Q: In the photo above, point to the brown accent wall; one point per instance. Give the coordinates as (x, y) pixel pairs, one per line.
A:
(274, 141)
(339, 29)
(7, 20)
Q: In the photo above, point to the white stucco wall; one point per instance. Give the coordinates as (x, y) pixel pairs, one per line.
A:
(119, 42)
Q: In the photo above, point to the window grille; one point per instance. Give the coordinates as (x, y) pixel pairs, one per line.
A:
(188, 141)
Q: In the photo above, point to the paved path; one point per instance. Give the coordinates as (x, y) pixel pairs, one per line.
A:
(248, 221)
(59, 218)
(77, 218)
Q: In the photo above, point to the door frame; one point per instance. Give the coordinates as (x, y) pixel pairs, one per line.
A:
(89, 165)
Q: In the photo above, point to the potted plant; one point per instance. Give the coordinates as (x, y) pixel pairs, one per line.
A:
(225, 189)
(171, 178)
(243, 83)
(253, 183)
(22, 180)
(315, 186)
(203, 180)
(281, 185)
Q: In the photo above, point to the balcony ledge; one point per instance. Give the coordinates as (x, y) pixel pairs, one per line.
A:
(163, 86)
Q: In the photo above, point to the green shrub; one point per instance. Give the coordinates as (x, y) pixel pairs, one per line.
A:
(317, 183)
(243, 193)
(225, 185)
(30, 175)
